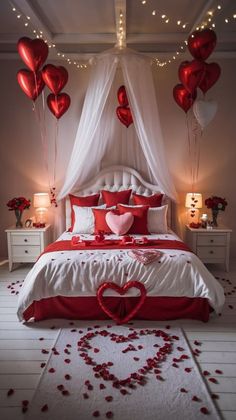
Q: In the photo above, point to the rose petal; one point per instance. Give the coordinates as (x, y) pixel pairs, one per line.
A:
(215, 396)
(109, 414)
(60, 387)
(44, 408)
(65, 392)
(67, 377)
(206, 373)
(109, 398)
(218, 371)
(67, 360)
(25, 403)
(96, 413)
(10, 392)
(204, 410)
(85, 395)
(213, 380)
(51, 370)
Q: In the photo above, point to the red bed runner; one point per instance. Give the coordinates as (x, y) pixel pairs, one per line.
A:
(115, 244)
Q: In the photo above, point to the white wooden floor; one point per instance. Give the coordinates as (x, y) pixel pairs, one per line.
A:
(21, 348)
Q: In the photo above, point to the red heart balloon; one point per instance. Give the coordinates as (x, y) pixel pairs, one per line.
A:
(212, 74)
(58, 104)
(31, 83)
(191, 73)
(183, 97)
(122, 97)
(124, 115)
(33, 52)
(202, 43)
(121, 290)
(55, 77)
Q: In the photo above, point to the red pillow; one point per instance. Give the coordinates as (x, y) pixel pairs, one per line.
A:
(139, 225)
(89, 201)
(112, 198)
(100, 224)
(150, 200)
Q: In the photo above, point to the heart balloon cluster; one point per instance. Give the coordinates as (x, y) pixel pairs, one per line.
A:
(123, 111)
(197, 73)
(34, 53)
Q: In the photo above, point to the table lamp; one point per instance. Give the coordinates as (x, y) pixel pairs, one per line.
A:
(193, 202)
(41, 203)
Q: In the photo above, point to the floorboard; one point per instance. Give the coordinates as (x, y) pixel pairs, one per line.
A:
(21, 346)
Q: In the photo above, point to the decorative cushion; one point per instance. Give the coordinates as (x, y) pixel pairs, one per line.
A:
(140, 213)
(157, 219)
(84, 219)
(100, 221)
(119, 223)
(153, 200)
(87, 201)
(112, 198)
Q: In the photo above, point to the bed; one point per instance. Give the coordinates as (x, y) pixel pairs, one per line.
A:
(65, 281)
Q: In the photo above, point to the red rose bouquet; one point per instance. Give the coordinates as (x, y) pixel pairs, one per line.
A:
(215, 204)
(18, 204)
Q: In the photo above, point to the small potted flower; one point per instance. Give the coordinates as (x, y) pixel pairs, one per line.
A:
(215, 204)
(18, 204)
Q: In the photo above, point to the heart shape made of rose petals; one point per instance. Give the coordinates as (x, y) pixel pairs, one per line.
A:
(122, 290)
(132, 343)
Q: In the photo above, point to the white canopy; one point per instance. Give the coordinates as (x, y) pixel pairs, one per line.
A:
(102, 140)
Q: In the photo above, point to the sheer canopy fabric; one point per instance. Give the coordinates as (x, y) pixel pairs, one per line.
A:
(102, 140)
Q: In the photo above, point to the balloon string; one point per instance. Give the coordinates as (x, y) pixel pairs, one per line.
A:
(55, 153)
(189, 149)
(43, 141)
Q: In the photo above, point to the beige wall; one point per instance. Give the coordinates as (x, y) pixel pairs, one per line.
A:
(22, 170)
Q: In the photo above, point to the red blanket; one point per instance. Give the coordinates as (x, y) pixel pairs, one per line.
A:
(115, 244)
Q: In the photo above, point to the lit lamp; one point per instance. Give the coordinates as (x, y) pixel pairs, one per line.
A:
(193, 202)
(41, 203)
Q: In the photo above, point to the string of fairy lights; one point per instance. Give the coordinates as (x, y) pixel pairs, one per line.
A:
(162, 19)
(38, 33)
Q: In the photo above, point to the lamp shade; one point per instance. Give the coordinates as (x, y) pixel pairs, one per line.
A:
(193, 201)
(41, 200)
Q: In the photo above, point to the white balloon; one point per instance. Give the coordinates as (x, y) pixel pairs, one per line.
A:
(204, 111)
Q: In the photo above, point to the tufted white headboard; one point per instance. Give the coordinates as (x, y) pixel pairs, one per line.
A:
(117, 178)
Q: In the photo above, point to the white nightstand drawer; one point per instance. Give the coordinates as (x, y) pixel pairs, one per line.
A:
(19, 239)
(211, 240)
(25, 251)
(213, 252)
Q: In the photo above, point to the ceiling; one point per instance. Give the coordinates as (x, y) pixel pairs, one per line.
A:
(80, 29)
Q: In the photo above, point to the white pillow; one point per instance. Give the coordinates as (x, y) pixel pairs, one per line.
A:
(157, 219)
(84, 219)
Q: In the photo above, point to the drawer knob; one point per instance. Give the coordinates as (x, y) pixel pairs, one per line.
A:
(211, 252)
(26, 252)
(212, 240)
(25, 240)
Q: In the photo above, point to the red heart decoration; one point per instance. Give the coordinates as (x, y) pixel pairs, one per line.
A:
(122, 97)
(33, 52)
(212, 74)
(58, 104)
(122, 291)
(191, 74)
(55, 77)
(124, 115)
(31, 83)
(202, 43)
(135, 378)
(183, 97)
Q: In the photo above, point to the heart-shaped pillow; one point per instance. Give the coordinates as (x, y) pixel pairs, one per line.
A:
(119, 223)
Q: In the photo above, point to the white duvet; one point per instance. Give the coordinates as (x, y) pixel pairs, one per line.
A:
(79, 273)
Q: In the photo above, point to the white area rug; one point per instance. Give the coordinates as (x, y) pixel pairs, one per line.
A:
(137, 371)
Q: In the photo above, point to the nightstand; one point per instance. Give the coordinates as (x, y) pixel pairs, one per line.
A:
(210, 245)
(26, 244)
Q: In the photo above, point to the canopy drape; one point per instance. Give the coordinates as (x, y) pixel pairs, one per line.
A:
(102, 140)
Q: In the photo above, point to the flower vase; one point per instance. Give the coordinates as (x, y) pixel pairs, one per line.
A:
(214, 217)
(18, 214)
